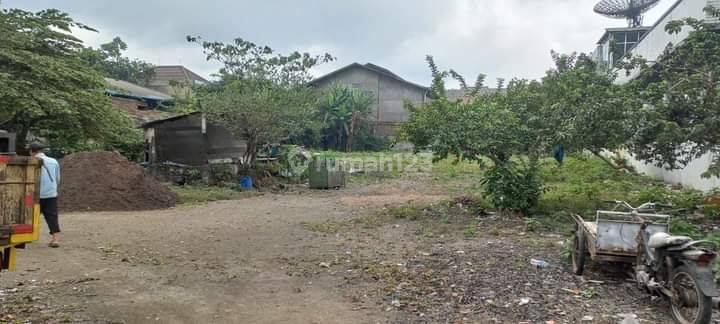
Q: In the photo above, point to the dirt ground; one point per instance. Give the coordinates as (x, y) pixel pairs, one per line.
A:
(310, 257)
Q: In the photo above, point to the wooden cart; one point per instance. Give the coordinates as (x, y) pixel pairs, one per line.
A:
(19, 205)
(611, 237)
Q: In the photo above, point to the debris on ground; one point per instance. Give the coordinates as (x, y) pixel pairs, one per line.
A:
(629, 319)
(447, 278)
(107, 181)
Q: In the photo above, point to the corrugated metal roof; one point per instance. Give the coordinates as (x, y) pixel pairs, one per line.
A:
(160, 121)
(134, 90)
(138, 115)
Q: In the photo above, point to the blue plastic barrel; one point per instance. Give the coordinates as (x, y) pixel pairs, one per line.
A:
(246, 182)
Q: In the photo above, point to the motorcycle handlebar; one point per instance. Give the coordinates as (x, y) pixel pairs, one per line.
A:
(619, 202)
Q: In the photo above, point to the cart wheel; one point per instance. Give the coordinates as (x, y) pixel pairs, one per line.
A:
(579, 252)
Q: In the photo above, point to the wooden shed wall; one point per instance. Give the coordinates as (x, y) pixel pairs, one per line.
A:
(182, 141)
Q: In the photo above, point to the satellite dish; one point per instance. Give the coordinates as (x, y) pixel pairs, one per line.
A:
(632, 10)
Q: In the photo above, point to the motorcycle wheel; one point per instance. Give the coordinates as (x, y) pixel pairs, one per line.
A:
(579, 252)
(683, 310)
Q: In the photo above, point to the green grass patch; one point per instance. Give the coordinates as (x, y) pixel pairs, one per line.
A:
(471, 230)
(198, 194)
(579, 186)
(582, 183)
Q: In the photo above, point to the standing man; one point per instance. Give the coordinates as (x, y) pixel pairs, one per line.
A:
(49, 181)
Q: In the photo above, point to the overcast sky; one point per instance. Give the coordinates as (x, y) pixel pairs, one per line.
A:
(501, 38)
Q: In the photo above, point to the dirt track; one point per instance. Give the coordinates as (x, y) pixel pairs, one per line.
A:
(256, 261)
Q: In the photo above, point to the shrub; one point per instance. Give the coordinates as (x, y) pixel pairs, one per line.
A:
(513, 188)
(712, 211)
(221, 174)
(653, 194)
(687, 199)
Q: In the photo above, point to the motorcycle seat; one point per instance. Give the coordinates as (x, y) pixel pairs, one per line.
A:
(661, 240)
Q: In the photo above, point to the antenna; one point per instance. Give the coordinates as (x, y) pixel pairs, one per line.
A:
(632, 10)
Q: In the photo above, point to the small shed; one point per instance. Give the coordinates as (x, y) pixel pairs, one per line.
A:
(190, 140)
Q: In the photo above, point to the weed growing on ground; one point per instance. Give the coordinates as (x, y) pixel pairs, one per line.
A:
(567, 250)
(326, 227)
(471, 230)
(409, 211)
(199, 194)
(681, 226)
(589, 293)
(532, 224)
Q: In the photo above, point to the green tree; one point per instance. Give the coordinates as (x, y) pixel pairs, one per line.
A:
(499, 128)
(262, 97)
(586, 109)
(344, 112)
(109, 60)
(679, 118)
(46, 88)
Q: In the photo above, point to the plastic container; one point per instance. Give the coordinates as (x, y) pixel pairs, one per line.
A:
(246, 183)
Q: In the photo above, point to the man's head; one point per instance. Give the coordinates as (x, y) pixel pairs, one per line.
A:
(37, 148)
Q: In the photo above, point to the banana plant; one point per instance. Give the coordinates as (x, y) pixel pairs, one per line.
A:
(343, 110)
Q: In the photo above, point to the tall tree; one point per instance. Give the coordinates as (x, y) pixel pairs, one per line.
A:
(45, 88)
(679, 119)
(261, 96)
(109, 60)
(502, 128)
(586, 109)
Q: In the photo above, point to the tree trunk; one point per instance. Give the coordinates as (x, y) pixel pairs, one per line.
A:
(339, 141)
(250, 153)
(351, 133)
(612, 164)
(21, 140)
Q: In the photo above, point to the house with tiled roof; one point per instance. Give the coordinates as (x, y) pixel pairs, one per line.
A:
(175, 80)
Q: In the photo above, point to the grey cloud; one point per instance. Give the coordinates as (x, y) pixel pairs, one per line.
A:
(502, 38)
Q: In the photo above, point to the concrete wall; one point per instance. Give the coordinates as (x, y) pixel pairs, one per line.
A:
(690, 176)
(388, 111)
(651, 47)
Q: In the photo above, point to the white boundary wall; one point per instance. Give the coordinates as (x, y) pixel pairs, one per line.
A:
(651, 47)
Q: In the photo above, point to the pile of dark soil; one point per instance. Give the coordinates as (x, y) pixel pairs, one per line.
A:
(107, 181)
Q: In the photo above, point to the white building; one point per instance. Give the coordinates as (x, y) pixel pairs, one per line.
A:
(617, 42)
(650, 46)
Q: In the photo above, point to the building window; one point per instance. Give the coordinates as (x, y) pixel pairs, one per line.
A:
(623, 42)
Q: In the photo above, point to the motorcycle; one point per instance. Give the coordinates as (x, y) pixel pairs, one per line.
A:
(678, 268)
